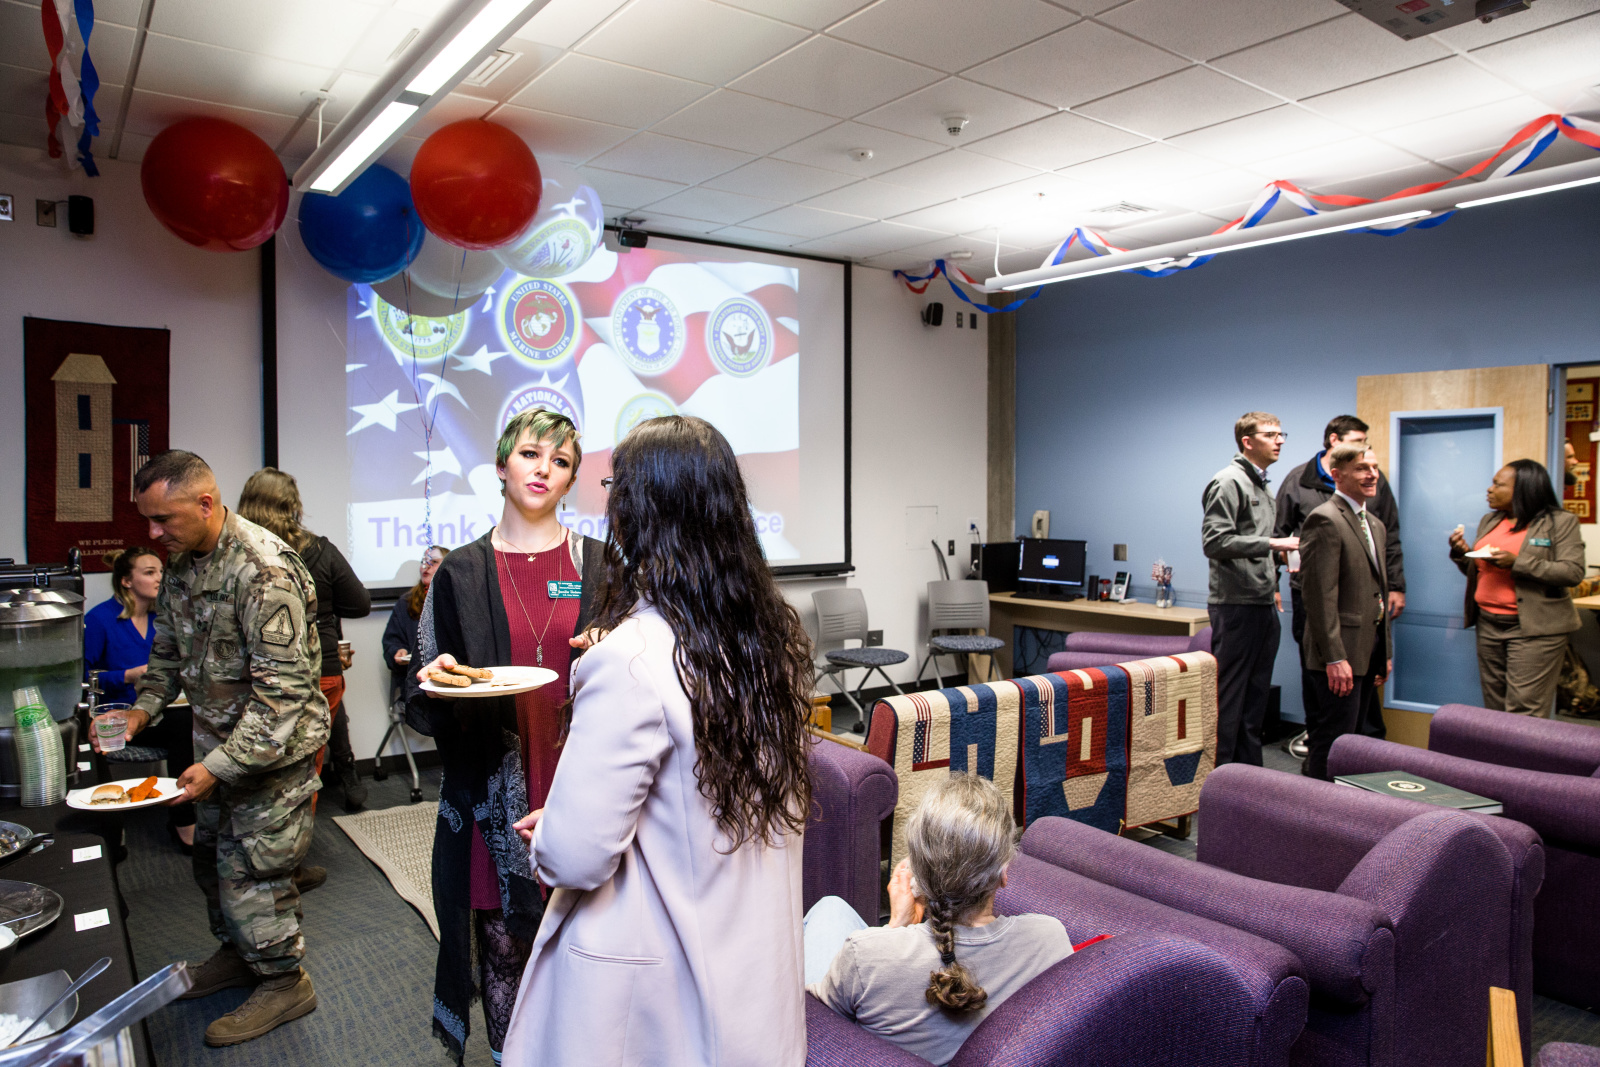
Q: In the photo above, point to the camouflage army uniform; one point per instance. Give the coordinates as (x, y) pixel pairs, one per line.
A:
(232, 635)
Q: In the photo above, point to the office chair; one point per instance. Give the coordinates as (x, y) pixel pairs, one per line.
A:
(958, 605)
(842, 616)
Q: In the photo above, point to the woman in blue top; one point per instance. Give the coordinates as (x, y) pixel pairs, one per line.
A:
(117, 635)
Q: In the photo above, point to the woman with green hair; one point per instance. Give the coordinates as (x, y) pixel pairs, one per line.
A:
(517, 596)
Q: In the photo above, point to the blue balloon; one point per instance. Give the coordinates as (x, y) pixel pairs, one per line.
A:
(367, 233)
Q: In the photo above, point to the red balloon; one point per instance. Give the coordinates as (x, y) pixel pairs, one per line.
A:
(215, 184)
(475, 184)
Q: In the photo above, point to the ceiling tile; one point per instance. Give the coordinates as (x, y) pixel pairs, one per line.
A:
(345, 94)
(1476, 34)
(149, 113)
(1478, 130)
(1324, 168)
(744, 235)
(872, 239)
(907, 261)
(1040, 198)
(953, 216)
(748, 123)
(564, 22)
(620, 192)
(226, 77)
(656, 156)
(957, 172)
(120, 12)
(1568, 52)
(22, 92)
(383, 38)
(779, 179)
(1207, 30)
(1387, 183)
(694, 39)
(1412, 95)
(1327, 56)
(874, 199)
(1160, 231)
(812, 14)
(944, 34)
(312, 32)
(804, 221)
(1100, 60)
(1138, 168)
(561, 136)
(595, 89)
(398, 156)
(713, 205)
(1218, 191)
(453, 108)
(1183, 101)
(132, 147)
(835, 78)
(666, 222)
(989, 110)
(1262, 135)
(831, 149)
(21, 40)
(1055, 142)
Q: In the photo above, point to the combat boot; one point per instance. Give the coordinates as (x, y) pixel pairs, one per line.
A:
(307, 877)
(224, 970)
(275, 1001)
(355, 791)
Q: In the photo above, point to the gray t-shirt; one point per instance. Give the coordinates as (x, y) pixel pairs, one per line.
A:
(880, 975)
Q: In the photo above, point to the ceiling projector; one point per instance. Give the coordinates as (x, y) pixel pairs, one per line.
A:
(1409, 19)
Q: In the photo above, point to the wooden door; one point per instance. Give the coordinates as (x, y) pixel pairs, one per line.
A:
(1520, 396)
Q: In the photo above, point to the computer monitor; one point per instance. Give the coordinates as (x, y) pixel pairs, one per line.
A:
(1059, 565)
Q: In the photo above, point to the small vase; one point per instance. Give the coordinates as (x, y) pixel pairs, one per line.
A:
(1164, 595)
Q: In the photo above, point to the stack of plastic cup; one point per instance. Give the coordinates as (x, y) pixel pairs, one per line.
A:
(41, 762)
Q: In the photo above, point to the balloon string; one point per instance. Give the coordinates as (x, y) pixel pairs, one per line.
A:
(427, 418)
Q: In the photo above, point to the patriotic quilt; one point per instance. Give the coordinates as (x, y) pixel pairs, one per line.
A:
(1075, 746)
(1172, 734)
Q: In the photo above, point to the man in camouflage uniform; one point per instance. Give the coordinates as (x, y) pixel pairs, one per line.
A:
(232, 634)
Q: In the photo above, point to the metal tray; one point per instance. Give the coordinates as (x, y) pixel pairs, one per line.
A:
(27, 998)
(28, 908)
(14, 838)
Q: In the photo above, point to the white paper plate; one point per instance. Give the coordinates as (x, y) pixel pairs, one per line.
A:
(165, 788)
(1482, 553)
(507, 681)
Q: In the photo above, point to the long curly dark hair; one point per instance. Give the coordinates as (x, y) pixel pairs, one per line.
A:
(681, 538)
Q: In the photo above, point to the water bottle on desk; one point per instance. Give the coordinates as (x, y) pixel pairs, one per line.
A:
(41, 763)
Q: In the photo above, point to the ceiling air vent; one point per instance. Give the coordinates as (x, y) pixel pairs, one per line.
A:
(1123, 211)
(490, 68)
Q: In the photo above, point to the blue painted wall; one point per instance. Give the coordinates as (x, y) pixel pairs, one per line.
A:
(1127, 387)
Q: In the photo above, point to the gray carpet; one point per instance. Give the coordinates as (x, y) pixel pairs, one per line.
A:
(368, 952)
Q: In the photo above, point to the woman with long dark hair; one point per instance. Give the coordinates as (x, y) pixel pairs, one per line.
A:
(400, 635)
(1519, 595)
(520, 595)
(672, 834)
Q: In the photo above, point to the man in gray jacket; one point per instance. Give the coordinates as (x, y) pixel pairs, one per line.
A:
(1236, 534)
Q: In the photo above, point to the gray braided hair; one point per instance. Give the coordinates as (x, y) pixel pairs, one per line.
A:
(960, 841)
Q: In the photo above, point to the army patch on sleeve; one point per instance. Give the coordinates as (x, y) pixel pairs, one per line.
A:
(279, 627)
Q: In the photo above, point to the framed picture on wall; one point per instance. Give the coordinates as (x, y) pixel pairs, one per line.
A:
(97, 405)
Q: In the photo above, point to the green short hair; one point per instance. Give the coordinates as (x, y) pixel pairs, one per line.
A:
(544, 425)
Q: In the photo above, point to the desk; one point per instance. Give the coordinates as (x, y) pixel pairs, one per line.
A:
(1590, 602)
(1008, 611)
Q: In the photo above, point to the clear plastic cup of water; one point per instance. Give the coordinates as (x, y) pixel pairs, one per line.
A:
(111, 726)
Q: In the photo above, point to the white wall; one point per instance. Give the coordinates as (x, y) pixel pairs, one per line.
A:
(918, 395)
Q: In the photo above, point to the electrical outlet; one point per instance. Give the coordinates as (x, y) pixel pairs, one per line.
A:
(874, 639)
(951, 549)
(45, 212)
(5, 207)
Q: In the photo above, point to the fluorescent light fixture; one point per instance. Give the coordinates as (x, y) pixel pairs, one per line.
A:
(1423, 213)
(366, 145)
(491, 25)
(464, 34)
(1161, 262)
(1529, 192)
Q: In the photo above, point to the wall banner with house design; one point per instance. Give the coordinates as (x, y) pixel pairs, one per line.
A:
(97, 403)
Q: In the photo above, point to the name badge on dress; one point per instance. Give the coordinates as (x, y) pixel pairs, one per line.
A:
(564, 590)
(1540, 542)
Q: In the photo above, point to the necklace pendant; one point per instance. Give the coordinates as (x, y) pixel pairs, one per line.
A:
(530, 557)
(539, 656)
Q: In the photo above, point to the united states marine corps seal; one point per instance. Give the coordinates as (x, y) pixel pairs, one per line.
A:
(739, 336)
(646, 330)
(539, 320)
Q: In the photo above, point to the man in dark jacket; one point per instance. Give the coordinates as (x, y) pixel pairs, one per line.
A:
(1306, 488)
(1236, 535)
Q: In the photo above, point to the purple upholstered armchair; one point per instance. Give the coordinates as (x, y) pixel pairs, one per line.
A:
(1088, 649)
(852, 792)
(1138, 998)
(1401, 920)
(1545, 774)
(1563, 1054)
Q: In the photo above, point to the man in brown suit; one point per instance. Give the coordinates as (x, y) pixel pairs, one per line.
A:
(1348, 645)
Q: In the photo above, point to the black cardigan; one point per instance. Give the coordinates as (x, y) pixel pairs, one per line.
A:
(483, 780)
(340, 595)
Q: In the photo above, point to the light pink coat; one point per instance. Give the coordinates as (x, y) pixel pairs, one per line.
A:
(656, 947)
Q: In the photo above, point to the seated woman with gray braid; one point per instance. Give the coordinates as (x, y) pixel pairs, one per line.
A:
(926, 984)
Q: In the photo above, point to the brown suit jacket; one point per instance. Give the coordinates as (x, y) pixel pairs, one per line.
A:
(1343, 589)
(1550, 564)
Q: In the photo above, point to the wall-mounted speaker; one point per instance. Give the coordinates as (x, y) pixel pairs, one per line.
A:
(80, 215)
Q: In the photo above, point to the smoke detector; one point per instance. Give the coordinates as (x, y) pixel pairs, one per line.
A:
(860, 155)
(954, 124)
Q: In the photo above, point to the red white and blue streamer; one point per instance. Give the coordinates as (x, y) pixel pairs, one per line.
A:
(1533, 138)
(69, 105)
